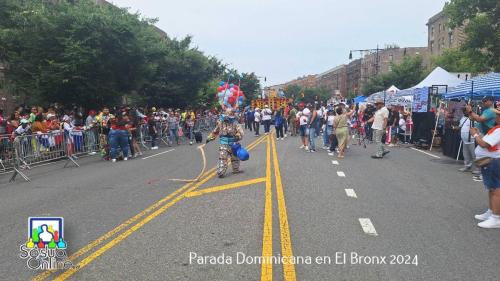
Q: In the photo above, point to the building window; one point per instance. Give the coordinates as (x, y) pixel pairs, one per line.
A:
(432, 31)
(439, 30)
(450, 38)
(432, 46)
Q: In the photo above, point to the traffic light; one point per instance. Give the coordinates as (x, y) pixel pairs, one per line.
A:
(350, 55)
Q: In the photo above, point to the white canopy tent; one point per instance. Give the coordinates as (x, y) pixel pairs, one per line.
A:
(383, 94)
(392, 90)
(440, 77)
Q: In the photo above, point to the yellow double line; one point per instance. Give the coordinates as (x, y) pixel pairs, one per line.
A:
(267, 239)
(183, 191)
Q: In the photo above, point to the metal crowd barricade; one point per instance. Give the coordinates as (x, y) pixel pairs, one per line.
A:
(33, 150)
(205, 124)
(27, 151)
(7, 153)
(85, 141)
(161, 136)
(163, 132)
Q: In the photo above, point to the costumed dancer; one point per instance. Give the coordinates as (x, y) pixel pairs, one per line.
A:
(230, 133)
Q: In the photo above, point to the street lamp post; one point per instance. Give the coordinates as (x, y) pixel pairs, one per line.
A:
(377, 58)
(264, 86)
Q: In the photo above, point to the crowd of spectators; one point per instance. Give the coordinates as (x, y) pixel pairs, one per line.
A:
(336, 123)
(116, 133)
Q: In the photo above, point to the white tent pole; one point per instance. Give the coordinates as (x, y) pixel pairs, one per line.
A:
(435, 127)
(459, 147)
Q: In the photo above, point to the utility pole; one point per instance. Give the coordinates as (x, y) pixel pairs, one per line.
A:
(377, 59)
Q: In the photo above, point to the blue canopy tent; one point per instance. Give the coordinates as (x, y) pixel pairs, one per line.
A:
(477, 88)
(359, 99)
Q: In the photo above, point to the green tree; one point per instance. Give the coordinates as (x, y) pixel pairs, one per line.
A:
(181, 74)
(307, 94)
(482, 26)
(293, 91)
(460, 60)
(73, 53)
(249, 83)
(76, 52)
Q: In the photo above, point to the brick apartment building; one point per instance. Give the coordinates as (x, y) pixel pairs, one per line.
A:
(353, 76)
(441, 37)
(386, 57)
(373, 63)
(308, 81)
(333, 80)
(349, 79)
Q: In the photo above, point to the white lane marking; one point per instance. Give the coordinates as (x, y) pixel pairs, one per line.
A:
(435, 156)
(154, 155)
(351, 193)
(335, 162)
(367, 226)
(341, 174)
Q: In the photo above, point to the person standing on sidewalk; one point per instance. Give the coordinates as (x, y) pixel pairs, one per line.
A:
(487, 118)
(488, 152)
(379, 125)
(118, 137)
(468, 144)
(152, 131)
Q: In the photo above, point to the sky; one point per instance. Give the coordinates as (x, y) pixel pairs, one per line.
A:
(283, 40)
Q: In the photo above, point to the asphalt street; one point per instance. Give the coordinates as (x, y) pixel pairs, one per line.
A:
(410, 214)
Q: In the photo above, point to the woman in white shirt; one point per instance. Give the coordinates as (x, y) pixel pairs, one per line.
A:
(303, 130)
(488, 151)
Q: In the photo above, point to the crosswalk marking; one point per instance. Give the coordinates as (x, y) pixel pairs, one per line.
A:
(335, 162)
(351, 193)
(367, 226)
(341, 174)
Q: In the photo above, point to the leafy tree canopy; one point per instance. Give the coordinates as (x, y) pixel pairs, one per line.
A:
(76, 52)
(481, 19)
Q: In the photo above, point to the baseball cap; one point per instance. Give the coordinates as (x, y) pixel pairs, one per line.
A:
(488, 98)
